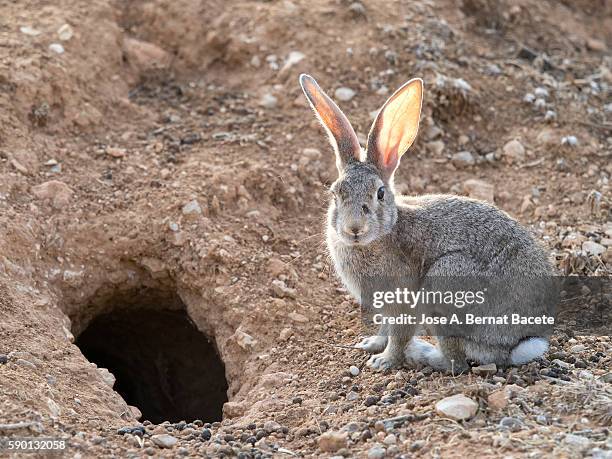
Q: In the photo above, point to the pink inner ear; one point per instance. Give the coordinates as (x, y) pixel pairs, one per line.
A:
(334, 121)
(399, 122)
(390, 154)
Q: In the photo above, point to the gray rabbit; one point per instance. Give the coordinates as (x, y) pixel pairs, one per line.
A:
(371, 231)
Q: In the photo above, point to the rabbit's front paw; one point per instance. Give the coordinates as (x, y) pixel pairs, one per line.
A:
(385, 360)
(372, 344)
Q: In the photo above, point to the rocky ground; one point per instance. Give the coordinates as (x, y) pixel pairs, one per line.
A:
(164, 147)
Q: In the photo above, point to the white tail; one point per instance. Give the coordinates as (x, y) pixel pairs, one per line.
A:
(528, 350)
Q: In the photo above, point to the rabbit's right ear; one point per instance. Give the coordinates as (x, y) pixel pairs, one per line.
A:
(341, 134)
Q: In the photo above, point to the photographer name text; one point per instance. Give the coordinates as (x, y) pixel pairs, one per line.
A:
(467, 319)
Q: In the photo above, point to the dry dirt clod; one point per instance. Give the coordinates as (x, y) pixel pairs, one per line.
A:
(479, 189)
(332, 441)
(144, 56)
(514, 152)
(57, 192)
(498, 400)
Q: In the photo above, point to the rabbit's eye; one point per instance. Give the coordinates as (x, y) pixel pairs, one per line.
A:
(380, 194)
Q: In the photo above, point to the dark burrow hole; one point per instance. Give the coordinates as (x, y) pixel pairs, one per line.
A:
(164, 366)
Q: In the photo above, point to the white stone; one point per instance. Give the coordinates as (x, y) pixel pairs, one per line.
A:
(541, 92)
(577, 348)
(376, 452)
(56, 48)
(244, 340)
(292, 59)
(593, 248)
(65, 32)
(436, 147)
(463, 159)
(577, 442)
(458, 407)
(268, 101)
(30, 31)
(390, 440)
(344, 94)
(107, 376)
(164, 440)
(192, 208)
(570, 140)
(54, 408)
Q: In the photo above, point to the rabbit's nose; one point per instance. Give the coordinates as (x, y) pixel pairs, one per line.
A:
(355, 230)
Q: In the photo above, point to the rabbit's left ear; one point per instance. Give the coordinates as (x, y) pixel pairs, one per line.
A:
(341, 134)
(395, 127)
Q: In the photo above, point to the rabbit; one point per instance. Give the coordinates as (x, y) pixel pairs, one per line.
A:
(372, 231)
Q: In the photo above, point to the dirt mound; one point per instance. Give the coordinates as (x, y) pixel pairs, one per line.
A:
(160, 171)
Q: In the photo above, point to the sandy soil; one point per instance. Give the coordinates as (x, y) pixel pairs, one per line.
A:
(164, 148)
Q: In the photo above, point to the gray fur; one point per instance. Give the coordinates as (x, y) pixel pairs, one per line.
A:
(421, 237)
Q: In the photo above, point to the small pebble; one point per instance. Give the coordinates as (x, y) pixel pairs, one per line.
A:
(540, 103)
(344, 94)
(56, 48)
(164, 440)
(357, 9)
(580, 364)
(463, 159)
(457, 407)
(268, 101)
(509, 423)
(390, 440)
(577, 442)
(541, 92)
(192, 208)
(418, 444)
(65, 32)
(354, 370)
(570, 140)
(376, 452)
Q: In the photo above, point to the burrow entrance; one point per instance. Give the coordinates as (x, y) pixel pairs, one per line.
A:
(162, 363)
